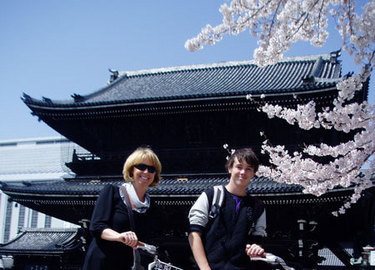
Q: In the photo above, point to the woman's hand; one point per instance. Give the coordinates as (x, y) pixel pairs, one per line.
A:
(254, 250)
(129, 238)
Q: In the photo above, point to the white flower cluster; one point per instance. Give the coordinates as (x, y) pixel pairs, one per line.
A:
(357, 31)
(349, 86)
(317, 178)
(230, 151)
(353, 163)
(277, 24)
(305, 115)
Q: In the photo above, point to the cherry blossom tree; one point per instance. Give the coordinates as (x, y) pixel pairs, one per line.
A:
(277, 25)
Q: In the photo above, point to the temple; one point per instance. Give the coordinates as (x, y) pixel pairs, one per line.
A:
(186, 114)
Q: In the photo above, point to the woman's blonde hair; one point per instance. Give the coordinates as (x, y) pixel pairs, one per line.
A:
(138, 156)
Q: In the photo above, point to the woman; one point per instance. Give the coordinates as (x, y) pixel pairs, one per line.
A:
(113, 239)
(230, 240)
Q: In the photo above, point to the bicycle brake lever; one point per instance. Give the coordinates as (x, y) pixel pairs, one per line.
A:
(147, 247)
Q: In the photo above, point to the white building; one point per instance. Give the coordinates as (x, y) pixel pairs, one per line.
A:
(28, 160)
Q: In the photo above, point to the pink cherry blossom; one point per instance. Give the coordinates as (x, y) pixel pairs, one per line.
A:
(277, 25)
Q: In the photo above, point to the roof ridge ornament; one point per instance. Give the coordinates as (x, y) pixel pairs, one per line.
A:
(25, 97)
(77, 97)
(47, 100)
(114, 75)
(334, 56)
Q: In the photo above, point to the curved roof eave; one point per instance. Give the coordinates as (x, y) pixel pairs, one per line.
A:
(40, 105)
(219, 80)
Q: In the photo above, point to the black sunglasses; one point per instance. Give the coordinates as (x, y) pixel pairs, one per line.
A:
(142, 167)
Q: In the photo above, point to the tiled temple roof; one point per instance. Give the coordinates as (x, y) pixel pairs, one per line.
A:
(78, 196)
(176, 187)
(190, 185)
(43, 241)
(293, 75)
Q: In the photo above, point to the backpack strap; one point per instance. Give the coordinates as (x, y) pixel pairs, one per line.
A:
(216, 202)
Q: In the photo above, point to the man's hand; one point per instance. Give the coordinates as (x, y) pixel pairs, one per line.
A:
(254, 250)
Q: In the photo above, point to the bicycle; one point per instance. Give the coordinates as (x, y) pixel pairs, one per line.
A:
(157, 264)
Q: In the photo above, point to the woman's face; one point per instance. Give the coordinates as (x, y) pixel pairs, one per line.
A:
(144, 173)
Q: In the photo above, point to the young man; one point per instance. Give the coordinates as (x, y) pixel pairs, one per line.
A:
(230, 239)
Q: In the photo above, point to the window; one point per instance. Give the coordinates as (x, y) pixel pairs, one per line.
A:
(34, 219)
(47, 222)
(8, 220)
(21, 217)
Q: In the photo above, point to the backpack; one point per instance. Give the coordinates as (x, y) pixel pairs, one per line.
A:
(217, 201)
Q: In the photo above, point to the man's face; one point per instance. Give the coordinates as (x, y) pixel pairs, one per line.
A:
(241, 173)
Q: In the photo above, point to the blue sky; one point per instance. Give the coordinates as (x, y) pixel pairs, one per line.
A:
(55, 48)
